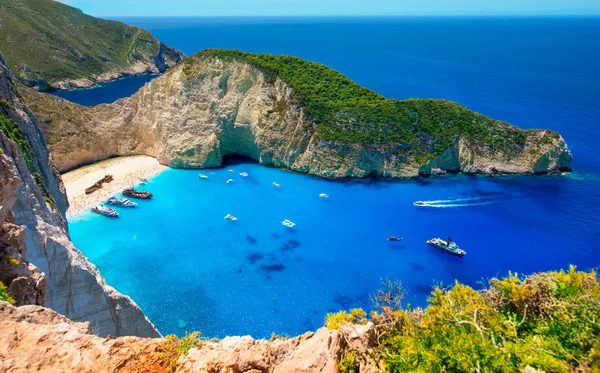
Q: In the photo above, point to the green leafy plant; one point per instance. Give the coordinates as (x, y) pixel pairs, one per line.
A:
(173, 347)
(4, 294)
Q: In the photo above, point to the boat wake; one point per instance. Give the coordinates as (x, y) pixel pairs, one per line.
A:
(460, 202)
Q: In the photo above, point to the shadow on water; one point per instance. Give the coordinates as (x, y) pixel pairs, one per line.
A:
(290, 245)
(255, 257)
(251, 240)
(271, 268)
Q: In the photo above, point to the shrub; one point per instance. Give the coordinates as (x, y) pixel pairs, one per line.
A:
(348, 363)
(173, 347)
(4, 294)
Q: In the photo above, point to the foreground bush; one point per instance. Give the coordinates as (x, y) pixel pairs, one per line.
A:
(549, 321)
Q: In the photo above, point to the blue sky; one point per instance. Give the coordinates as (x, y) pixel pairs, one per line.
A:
(334, 7)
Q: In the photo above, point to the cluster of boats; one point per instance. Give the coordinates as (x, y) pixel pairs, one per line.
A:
(447, 246)
(121, 202)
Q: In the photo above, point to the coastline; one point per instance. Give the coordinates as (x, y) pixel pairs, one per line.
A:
(125, 170)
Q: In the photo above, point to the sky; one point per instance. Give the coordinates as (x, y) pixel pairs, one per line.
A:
(334, 7)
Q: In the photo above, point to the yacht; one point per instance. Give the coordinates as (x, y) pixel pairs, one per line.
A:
(244, 174)
(106, 211)
(202, 176)
(276, 185)
(324, 195)
(394, 238)
(449, 246)
(419, 203)
(229, 181)
(120, 202)
(288, 223)
(130, 192)
(229, 170)
(230, 217)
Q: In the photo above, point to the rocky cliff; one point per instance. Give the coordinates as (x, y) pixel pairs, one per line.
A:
(38, 262)
(50, 45)
(34, 338)
(307, 118)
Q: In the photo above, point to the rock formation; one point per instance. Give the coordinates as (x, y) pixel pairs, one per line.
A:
(34, 338)
(38, 262)
(206, 108)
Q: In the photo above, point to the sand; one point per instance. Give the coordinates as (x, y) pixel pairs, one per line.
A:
(125, 170)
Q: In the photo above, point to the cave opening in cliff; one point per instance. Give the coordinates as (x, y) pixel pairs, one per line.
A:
(236, 159)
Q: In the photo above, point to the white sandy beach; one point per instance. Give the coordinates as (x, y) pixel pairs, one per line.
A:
(126, 171)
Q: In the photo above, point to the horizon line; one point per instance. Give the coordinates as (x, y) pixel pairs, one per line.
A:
(494, 15)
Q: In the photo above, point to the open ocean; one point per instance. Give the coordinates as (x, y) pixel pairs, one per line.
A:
(189, 269)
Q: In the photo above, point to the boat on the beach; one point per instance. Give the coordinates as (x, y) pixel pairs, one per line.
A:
(130, 192)
(98, 184)
(394, 238)
(115, 201)
(230, 217)
(449, 246)
(288, 223)
(105, 211)
(276, 185)
(202, 176)
(229, 181)
(324, 195)
(419, 203)
(244, 174)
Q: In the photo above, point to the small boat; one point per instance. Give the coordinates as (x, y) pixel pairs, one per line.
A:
(230, 217)
(243, 174)
(449, 246)
(120, 202)
(202, 176)
(229, 170)
(144, 180)
(288, 223)
(130, 192)
(229, 181)
(106, 211)
(276, 185)
(323, 195)
(394, 238)
(419, 203)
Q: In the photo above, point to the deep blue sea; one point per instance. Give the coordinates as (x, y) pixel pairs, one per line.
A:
(189, 269)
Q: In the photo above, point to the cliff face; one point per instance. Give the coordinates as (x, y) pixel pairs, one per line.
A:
(39, 263)
(207, 108)
(34, 338)
(51, 45)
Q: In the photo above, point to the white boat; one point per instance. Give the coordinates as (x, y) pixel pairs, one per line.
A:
(115, 201)
(244, 174)
(323, 195)
(202, 176)
(230, 217)
(288, 223)
(106, 211)
(448, 246)
(419, 203)
(229, 181)
(229, 170)
(276, 185)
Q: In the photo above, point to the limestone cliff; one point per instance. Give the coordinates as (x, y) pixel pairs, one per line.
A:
(209, 107)
(34, 338)
(39, 264)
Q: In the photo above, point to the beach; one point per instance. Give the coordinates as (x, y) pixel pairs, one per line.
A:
(125, 170)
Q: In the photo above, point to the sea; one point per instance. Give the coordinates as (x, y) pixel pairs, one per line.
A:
(190, 269)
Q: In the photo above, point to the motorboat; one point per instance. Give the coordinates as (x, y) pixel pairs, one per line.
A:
(105, 211)
(394, 238)
(288, 223)
(244, 174)
(130, 192)
(230, 217)
(419, 203)
(449, 246)
(276, 185)
(115, 201)
(324, 195)
(229, 170)
(229, 181)
(202, 176)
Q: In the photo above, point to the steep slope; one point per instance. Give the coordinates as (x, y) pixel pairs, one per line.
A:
(291, 113)
(50, 44)
(40, 265)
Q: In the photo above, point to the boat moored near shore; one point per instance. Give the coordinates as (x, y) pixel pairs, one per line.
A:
(105, 211)
(115, 201)
(130, 192)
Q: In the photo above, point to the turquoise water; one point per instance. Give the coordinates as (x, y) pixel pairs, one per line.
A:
(190, 270)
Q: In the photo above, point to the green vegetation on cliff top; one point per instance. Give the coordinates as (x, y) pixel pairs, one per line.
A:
(549, 321)
(48, 40)
(350, 113)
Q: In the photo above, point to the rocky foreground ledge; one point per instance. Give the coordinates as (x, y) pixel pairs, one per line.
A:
(34, 338)
(295, 114)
